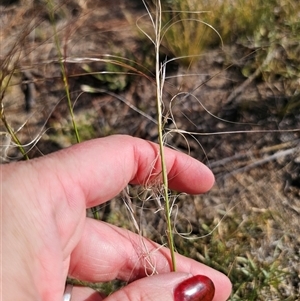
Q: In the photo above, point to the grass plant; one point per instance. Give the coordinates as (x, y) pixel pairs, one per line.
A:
(225, 239)
(160, 77)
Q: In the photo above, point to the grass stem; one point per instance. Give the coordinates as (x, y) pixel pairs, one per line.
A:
(63, 70)
(13, 134)
(5, 122)
(160, 75)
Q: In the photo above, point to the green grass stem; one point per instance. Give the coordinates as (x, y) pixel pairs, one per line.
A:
(63, 70)
(13, 134)
(160, 75)
(5, 122)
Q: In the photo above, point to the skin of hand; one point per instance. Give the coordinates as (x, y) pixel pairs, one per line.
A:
(47, 236)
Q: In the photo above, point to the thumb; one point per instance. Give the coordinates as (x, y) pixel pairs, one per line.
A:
(162, 287)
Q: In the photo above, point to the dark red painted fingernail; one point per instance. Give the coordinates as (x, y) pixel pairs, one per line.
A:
(196, 288)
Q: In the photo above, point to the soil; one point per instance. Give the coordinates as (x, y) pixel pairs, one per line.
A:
(251, 141)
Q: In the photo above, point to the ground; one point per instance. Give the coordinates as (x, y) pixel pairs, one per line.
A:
(249, 137)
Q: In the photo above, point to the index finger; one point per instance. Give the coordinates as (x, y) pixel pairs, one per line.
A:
(101, 168)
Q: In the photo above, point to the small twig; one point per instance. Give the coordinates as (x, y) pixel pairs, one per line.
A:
(248, 154)
(236, 93)
(275, 156)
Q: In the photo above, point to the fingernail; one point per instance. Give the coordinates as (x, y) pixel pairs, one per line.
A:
(196, 288)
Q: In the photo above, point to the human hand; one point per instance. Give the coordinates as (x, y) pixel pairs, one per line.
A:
(47, 236)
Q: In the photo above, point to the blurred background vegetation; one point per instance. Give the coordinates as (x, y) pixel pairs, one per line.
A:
(239, 60)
